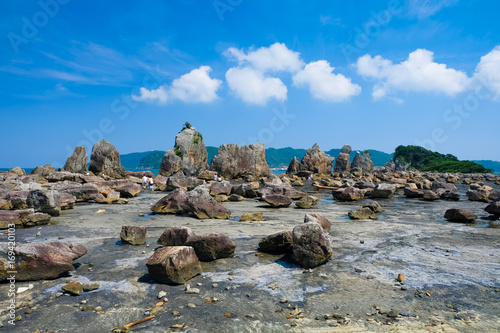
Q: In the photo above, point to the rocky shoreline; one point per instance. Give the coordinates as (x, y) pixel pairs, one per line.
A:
(314, 250)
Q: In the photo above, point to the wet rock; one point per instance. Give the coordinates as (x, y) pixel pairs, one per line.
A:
(233, 161)
(45, 202)
(311, 245)
(459, 215)
(77, 163)
(251, 217)
(383, 191)
(175, 236)
(73, 288)
(493, 208)
(133, 235)
(211, 247)
(189, 156)
(280, 242)
(349, 194)
(320, 219)
(430, 195)
(393, 313)
(364, 213)
(105, 160)
(277, 200)
(173, 264)
(307, 202)
(373, 205)
(90, 286)
(39, 261)
(478, 195)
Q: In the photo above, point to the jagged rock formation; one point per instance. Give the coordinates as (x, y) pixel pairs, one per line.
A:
(105, 160)
(314, 161)
(343, 164)
(234, 161)
(362, 163)
(189, 156)
(77, 163)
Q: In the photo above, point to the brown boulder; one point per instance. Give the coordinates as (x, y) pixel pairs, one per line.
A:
(40, 261)
(173, 264)
(175, 236)
(320, 219)
(105, 160)
(311, 245)
(173, 203)
(133, 235)
(307, 202)
(280, 242)
(251, 217)
(211, 247)
(203, 206)
(277, 200)
(459, 215)
(233, 161)
(364, 213)
(493, 208)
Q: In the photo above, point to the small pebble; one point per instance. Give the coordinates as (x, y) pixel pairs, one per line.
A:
(230, 273)
(199, 284)
(146, 313)
(228, 288)
(215, 285)
(162, 294)
(191, 305)
(283, 300)
(175, 313)
(404, 288)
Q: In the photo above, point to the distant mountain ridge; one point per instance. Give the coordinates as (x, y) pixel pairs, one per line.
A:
(275, 157)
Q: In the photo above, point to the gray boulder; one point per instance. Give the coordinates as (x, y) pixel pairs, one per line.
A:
(459, 215)
(105, 160)
(133, 235)
(280, 242)
(311, 245)
(362, 163)
(173, 264)
(77, 163)
(233, 161)
(211, 247)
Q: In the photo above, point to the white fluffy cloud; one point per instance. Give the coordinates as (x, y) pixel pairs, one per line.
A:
(194, 87)
(488, 72)
(253, 87)
(418, 73)
(276, 57)
(324, 84)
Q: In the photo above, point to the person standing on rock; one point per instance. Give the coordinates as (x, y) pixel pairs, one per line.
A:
(151, 182)
(144, 182)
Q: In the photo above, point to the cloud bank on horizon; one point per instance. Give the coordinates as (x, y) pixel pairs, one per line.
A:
(256, 79)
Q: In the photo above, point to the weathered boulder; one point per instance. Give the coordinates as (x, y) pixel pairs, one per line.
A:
(320, 219)
(211, 247)
(60, 176)
(45, 202)
(246, 190)
(307, 202)
(133, 235)
(189, 156)
(494, 196)
(81, 192)
(413, 193)
(233, 161)
(280, 242)
(251, 217)
(17, 171)
(493, 208)
(383, 190)
(342, 163)
(314, 161)
(173, 264)
(173, 203)
(362, 163)
(478, 195)
(448, 195)
(223, 187)
(459, 215)
(40, 261)
(207, 175)
(203, 206)
(128, 190)
(311, 245)
(19, 199)
(294, 167)
(23, 217)
(235, 197)
(446, 186)
(186, 183)
(221, 198)
(277, 200)
(77, 163)
(105, 160)
(430, 195)
(43, 171)
(349, 194)
(364, 213)
(74, 288)
(175, 236)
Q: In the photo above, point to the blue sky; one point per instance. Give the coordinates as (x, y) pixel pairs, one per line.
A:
(372, 74)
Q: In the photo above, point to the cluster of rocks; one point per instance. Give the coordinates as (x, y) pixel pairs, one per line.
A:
(308, 243)
(315, 161)
(179, 259)
(28, 200)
